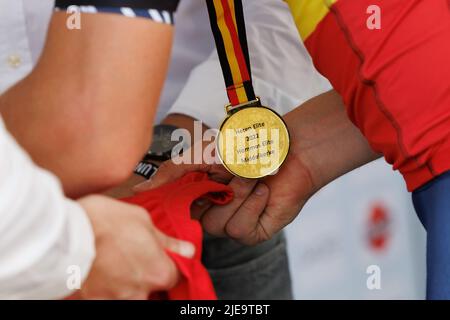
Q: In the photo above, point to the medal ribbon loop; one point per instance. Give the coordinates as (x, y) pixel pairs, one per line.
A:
(228, 27)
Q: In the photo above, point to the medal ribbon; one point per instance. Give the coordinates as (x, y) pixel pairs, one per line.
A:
(228, 27)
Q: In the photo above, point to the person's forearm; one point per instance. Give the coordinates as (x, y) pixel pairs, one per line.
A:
(323, 137)
(87, 110)
(325, 140)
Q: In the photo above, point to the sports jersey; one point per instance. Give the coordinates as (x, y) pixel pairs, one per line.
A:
(169, 208)
(394, 78)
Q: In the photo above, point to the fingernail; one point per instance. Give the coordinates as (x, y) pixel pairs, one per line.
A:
(187, 249)
(260, 189)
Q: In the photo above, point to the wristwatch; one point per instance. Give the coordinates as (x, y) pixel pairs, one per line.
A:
(162, 149)
(162, 146)
(146, 169)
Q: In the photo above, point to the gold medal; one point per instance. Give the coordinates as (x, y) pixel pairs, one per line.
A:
(253, 142)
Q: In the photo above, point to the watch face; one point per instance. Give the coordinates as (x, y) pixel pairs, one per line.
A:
(162, 144)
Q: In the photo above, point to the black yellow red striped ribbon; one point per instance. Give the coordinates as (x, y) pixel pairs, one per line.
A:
(228, 27)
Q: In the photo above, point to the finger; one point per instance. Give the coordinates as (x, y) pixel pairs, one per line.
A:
(199, 207)
(169, 172)
(139, 296)
(136, 294)
(180, 247)
(272, 221)
(215, 219)
(166, 275)
(244, 224)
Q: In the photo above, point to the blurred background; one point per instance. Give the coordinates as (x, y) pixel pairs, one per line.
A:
(364, 218)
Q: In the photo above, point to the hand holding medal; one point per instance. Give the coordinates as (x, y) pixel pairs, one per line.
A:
(253, 141)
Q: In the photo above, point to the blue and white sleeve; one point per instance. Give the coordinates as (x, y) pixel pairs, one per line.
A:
(160, 11)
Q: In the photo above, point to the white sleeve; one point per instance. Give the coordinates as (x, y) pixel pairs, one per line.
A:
(42, 233)
(282, 71)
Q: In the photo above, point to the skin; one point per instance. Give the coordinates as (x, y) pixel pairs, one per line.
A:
(131, 261)
(126, 189)
(86, 111)
(324, 146)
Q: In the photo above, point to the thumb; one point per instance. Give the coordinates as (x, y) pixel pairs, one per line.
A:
(180, 247)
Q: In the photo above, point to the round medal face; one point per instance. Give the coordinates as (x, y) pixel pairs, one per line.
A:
(253, 142)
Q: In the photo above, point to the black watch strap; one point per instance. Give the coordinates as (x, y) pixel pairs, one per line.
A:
(145, 169)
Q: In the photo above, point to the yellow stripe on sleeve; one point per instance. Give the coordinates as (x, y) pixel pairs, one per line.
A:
(308, 14)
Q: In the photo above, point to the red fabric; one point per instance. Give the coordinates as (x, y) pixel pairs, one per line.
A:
(169, 208)
(395, 81)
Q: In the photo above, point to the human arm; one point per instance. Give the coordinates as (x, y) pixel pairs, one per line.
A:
(46, 239)
(324, 146)
(276, 55)
(91, 98)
